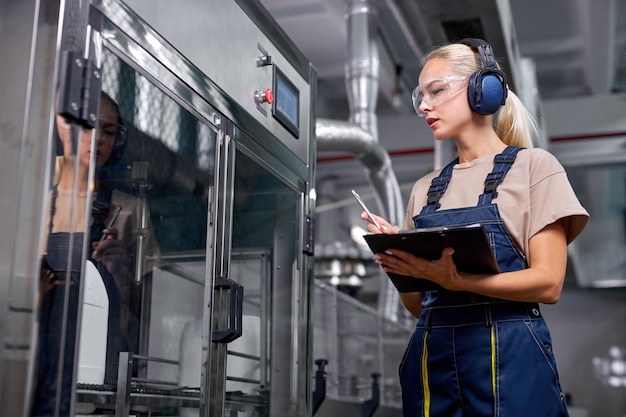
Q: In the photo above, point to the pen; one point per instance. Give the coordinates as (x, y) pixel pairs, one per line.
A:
(358, 199)
(116, 212)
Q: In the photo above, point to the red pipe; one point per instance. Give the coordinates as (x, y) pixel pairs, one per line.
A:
(404, 152)
(400, 152)
(587, 136)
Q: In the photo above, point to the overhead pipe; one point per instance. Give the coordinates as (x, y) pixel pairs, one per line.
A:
(359, 135)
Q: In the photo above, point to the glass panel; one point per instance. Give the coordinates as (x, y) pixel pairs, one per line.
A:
(143, 301)
(325, 335)
(358, 344)
(246, 370)
(358, 348)
(599, 254)
(260, 365)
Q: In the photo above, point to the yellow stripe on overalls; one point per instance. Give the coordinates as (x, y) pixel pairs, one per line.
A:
(425, 377)
(493, 361)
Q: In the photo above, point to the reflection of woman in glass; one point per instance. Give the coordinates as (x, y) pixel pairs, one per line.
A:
(112, 238)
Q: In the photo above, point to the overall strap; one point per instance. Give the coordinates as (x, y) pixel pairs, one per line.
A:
(53, 206)
(501, 165)
(437, 187)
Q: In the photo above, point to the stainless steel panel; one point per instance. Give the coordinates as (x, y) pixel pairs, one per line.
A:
(238, 75)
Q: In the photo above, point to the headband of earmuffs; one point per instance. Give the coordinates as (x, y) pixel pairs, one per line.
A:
(487, 90)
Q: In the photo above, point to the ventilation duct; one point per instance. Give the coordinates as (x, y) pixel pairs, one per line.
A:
(359, 135)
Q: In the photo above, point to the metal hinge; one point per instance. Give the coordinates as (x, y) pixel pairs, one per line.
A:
(80, 77)
(79, 89)
(308, 236)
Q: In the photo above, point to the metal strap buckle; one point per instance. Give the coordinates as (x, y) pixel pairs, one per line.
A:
(504, 158)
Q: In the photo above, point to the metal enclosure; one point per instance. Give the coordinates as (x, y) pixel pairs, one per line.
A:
(183, 281)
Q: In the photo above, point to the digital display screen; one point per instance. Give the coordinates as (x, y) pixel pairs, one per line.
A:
(286, 105)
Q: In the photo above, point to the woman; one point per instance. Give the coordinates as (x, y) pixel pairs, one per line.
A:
(481, 346)
(112, 241)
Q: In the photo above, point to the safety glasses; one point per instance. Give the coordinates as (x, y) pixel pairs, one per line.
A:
(437, 91)
(106, 130)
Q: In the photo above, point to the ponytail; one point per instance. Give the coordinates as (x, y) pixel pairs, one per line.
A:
(515, 125)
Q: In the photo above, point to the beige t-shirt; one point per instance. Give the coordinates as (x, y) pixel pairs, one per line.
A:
(126, 222)
(535, 193)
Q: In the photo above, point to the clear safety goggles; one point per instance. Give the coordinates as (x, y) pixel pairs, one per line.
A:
(437, 91)
(105, 131)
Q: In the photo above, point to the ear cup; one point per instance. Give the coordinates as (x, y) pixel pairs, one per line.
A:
(487, 89)
(121, 136)
(120, 144)
(486, 92)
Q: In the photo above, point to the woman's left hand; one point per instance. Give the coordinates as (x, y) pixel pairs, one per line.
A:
(442, 271)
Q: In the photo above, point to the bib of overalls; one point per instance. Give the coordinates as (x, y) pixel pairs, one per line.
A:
(486, 213)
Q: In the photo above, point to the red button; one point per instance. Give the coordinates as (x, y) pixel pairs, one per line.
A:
(269, 96)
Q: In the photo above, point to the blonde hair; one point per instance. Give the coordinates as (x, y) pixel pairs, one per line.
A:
(513, 123)
(59, 164)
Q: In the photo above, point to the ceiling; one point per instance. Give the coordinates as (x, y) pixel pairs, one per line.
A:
(578, 47)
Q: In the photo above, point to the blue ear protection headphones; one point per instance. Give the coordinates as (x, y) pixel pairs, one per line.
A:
(487, 89)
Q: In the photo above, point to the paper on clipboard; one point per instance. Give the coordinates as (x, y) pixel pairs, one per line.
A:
(472, 251)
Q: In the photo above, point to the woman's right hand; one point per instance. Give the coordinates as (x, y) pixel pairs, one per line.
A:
(385, 226)
(111, 252)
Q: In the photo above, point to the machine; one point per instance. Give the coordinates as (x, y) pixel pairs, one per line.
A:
(216, 154)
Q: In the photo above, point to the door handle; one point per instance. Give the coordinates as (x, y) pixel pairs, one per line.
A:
(235, 311)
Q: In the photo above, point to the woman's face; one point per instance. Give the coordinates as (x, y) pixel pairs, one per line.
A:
(449, 114)
(105, 136)
(106, 133)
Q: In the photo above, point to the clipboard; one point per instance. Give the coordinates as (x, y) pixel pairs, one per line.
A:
(472, 251)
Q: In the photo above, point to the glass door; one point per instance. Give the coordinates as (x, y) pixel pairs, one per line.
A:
(262, 366)
(128, 269)
(162, 194)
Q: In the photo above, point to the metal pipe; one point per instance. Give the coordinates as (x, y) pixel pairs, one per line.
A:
(359, 134)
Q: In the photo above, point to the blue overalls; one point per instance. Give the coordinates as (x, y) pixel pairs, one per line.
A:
(472, 355)
(58, 316)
